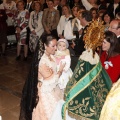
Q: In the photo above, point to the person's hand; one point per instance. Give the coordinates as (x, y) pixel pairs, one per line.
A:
(18, 30)
(80, 31)
(62, 65)
(48, 31)
(33, 32)
(73, 44)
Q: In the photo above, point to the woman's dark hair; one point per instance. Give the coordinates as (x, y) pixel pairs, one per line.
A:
(114, 44)
(109, 14)
(76, 6)
(30, 97)
(47, 38)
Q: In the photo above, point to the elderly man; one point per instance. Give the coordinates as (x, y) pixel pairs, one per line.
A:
(115, 27)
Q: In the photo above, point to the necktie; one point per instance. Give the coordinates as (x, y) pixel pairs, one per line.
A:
(27, 7)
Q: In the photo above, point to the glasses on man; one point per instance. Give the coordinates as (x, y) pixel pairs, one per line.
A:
(113, 28)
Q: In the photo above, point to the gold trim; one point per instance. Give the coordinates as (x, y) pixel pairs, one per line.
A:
(78, 117)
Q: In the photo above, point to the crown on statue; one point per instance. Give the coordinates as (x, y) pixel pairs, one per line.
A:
(94, 35)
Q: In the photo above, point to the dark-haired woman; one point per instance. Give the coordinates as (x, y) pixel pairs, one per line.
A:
(107, 18)
(110, 56)
(48, 91)
(40, 101)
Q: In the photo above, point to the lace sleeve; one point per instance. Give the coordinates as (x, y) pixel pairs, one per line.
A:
(47, 76)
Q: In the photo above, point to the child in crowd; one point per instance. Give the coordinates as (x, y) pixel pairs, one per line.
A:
(63, 56)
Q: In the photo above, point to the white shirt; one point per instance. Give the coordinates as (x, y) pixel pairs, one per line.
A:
(86, 4)
(56, 7)
(115, 6)
(29, 5)
(68, 32)
(62, 23)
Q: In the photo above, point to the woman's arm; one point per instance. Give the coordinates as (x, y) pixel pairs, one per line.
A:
(87, 5)
(40, 26)
(25, 23)
(30, 21)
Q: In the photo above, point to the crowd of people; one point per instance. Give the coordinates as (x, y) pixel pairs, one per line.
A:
(76, 46)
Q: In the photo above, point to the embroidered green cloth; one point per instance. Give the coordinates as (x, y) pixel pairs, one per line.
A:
(86, 91)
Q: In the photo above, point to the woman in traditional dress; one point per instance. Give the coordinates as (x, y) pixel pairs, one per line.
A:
(86, 91)
(35, 25)
(21, 19)
(42, 83)
(48, 91)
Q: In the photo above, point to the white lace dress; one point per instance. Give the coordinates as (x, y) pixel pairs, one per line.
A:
(48, 91)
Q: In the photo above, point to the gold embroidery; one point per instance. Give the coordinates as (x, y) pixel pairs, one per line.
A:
(84, 109)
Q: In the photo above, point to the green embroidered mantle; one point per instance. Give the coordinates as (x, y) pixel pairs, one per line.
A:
(86, 91)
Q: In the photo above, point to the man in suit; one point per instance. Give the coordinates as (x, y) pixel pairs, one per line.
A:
(114, 7)
(85, 18)
(28, 5)
(57, 6)
(115, 27)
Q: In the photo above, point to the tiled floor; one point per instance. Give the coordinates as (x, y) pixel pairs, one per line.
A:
(12, 77)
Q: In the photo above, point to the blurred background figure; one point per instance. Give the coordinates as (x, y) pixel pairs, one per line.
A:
(73, 3)
(107, 18)
(35, 25)
(21, 19)
(10, 8)
(45, 4)
(114, 7)
(63, 20)
(89, 4)
(100, 14)
(63, 2)
(57, 6)
(3, 28)
(94, 12)
(50, 19)
(28, 5)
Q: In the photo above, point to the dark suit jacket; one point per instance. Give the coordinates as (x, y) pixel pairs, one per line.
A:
(59, 8)
(79, 47)
(119, 39)
(30, 8)
(111, 8)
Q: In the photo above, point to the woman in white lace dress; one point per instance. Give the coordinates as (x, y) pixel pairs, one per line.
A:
(48, 91)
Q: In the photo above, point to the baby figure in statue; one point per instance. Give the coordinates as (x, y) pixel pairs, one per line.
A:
(63, 55)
